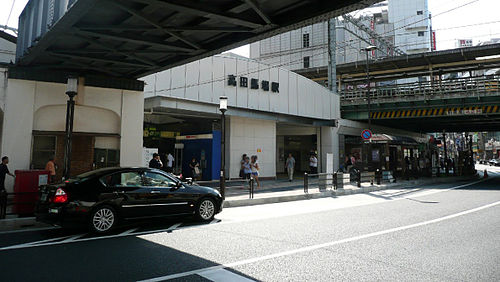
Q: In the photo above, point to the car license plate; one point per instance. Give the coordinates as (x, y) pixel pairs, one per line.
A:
(53, 211)
(43, 198)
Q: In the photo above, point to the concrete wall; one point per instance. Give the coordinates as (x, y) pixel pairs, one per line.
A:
(252, 137)
(7, 51)
(32, 105)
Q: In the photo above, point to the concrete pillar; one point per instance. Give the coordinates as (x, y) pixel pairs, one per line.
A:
(17, 134)
(132, 117)
(330, 144)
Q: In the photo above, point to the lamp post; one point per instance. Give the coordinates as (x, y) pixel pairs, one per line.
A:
(71, 91)
(223, 109)
(369, 49)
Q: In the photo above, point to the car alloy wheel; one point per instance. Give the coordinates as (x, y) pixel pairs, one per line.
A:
(206, 209)
(103, 219)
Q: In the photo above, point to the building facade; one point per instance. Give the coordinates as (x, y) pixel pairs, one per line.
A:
(107, 124)
(272, 112)
(395, 27)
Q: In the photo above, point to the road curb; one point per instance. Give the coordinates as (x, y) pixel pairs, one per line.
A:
(339, 192)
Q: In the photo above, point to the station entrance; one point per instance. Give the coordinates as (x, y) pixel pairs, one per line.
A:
(301, 142)
(185, 136)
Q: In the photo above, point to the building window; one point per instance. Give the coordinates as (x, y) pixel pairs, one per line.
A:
(420, 33)
(420, 12)
(44, 147)
(106, 158)
(305, 40)
(306, 62)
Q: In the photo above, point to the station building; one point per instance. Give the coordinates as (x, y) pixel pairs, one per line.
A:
(108, 122)
(271, 112)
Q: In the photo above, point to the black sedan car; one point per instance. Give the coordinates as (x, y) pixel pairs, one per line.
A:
(103, 197)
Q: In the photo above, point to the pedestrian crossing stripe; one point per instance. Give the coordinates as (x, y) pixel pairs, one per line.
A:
(448, 111)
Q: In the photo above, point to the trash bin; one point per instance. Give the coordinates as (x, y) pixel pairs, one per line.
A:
(26, 190)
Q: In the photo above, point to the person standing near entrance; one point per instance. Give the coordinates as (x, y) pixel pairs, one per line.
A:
(313, 164)
(170, 163)
(290, 166)
(4, 170)
(254, 165)
(155, 162)
(51, 168)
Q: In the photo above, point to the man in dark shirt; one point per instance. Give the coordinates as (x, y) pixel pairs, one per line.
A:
(3, 171)
(155, 162)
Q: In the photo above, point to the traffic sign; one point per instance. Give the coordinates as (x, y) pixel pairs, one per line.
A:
(366, 134)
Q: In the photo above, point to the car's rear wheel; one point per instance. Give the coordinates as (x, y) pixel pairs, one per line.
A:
(205, 210)
(103, 219)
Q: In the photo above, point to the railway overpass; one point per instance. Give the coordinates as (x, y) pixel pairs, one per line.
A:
(134, 38)
(469, 103)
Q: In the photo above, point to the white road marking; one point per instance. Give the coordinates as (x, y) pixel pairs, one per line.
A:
(73, 238)
(33, 244)
(128, 231)
(222, 275)
(173, 227)
(318, 246)
(50, 242)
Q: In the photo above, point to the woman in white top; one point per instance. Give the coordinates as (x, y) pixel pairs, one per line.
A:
(255, 169)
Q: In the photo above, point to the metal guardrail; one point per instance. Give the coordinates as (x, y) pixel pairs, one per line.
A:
(323, 180)
(469, 87)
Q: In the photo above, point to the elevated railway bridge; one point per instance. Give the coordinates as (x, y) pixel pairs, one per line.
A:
(433, 102)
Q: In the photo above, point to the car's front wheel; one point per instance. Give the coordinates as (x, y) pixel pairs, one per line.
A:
(205, 210)
(103, 219)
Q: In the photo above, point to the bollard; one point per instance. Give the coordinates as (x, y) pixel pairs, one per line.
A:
(359, 178)
(306, 183)
(485, 174)
(378, 175)
(250, 196)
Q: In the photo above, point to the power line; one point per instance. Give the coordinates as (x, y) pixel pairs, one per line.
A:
(10, 13)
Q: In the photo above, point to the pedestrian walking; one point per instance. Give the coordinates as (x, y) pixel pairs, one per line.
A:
(170, 163)
(4, 170)
(242, 169)
(313, 164)
(348, 163)
(155, 162)
(247, 170)
(290, 166)
(195, 168)
(254, 166)
(51, 168)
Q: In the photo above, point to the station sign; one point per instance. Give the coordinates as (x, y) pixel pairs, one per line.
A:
(254, 83)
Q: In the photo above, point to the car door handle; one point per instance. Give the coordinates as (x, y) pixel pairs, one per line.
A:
(155, 192)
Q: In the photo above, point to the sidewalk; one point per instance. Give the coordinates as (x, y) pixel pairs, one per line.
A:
(275, 191)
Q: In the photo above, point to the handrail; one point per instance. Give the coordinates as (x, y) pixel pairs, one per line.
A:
(427, 89)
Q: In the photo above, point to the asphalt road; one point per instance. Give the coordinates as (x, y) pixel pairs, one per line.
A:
(439, 232)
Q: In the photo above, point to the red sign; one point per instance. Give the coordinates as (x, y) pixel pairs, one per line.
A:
(433, 40)
(366, 134)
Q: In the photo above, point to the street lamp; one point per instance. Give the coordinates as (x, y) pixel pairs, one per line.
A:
(223, 109)
(71, 91)
(369, 49)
